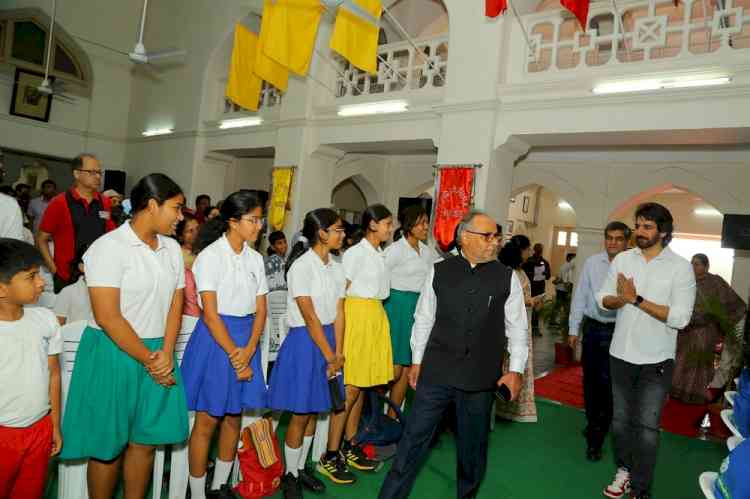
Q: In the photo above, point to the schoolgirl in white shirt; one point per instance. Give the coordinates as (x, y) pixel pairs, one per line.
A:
(409, 262)
(312, 350)
(73, 304)
(222, 364)
(126, 393)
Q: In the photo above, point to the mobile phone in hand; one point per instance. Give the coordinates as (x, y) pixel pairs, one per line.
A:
(503, 393)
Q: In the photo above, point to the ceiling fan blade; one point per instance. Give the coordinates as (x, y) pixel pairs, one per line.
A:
(64, 98)
(165, 53)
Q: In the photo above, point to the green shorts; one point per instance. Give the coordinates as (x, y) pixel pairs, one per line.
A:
(112, 401)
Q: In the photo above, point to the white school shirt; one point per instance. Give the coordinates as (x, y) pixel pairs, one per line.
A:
(11, 219)
(73, 302)
(25, 345)
(365, 267)
(324, 283)
(668, 279)
(147, 278)
(406, 268)
(516, 323)
(237, 279)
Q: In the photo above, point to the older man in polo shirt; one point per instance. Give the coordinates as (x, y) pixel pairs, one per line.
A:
(74, 219)
(653, 290)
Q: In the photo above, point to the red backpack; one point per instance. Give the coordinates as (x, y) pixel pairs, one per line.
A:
(259, 445)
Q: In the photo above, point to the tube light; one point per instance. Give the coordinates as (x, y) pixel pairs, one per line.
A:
(241, 122)
(644, 85)
(396, 106)
(707, 212)
(157, 131)
(564, 205)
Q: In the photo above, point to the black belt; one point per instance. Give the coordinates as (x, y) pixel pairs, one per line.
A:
(606, 325)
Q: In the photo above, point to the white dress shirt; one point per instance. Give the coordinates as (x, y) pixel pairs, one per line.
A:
(668, 280)
(364, 266)
(565, 275)
(73, 302)
(325, 284)
(407, 268)
(516, 323)
(11, 219)
(592, 278)
(147, 278)
(25, 346)
(237, 279)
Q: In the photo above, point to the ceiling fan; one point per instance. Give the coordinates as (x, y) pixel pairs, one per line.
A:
(139, 55)
(47, 87)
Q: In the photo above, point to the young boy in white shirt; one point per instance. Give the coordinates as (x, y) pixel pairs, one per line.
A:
(30, 342)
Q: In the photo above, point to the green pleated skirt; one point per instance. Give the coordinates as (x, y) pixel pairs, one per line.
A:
(112, 401)
(400, 307)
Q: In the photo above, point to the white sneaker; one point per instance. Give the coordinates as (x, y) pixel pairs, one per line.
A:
(620, 486)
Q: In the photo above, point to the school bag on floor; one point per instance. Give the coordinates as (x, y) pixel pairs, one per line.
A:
(375, 427)
(260, 461)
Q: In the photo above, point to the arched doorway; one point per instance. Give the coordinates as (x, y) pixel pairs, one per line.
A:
(348, 199)
(697, 224)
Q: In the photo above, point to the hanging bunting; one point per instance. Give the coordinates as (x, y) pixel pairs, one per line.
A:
(243, 86)
(282, 183)
(579, 8)
(356, 38)
(493, 8)
(453, 200)
(265, 67)
(291, 29)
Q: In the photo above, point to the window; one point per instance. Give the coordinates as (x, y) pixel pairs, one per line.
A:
(574, 239)
(23, 43)
(562, 238)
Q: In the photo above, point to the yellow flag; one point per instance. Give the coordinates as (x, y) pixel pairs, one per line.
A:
(355, 38)
(289, 31)
(243, 86)
(265, 67)
(282, 182)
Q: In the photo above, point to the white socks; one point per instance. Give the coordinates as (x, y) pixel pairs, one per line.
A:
(221, 473)
(306, 444)
(197, 487)
(292, 459)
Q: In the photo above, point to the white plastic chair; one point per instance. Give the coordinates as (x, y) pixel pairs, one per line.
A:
(727, 415)
(178, 474)
(730, 397)
(707, 481)
(733, 442)
(72, 473)
(276, 328)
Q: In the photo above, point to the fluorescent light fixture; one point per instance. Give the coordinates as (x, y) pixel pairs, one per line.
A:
(564, 205)
(707, 212)
(386, 107)
(241, 122)
(644, 85)
(157, 131)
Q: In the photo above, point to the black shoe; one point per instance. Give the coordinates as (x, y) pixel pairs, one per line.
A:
(357, 459)
(309, 481)
(336, 470)
(225, 492)
(593, 454)
(291, 486)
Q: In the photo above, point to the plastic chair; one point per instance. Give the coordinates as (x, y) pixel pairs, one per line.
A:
(707, 481)
(277, 329)
(72, 473)
(730, 397)
(178, 475)
(733, 442)
(727, 415)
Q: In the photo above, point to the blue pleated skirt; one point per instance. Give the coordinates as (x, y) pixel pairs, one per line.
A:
(298, 380)
(211, 383)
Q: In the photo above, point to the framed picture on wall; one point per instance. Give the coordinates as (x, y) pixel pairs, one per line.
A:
(27, 101)
(525, 207)
(509, 227)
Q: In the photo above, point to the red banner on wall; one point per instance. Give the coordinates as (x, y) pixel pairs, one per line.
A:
(453, 201)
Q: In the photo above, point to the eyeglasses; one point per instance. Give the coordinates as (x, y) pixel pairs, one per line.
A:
(489, 237)
(97, 173)
(254, 220)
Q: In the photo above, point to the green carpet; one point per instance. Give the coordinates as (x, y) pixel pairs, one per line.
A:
(546, 461)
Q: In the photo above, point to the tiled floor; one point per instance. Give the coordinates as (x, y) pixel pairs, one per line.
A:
(544, 351)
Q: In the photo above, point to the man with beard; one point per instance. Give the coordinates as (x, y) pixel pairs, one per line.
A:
(470, 307)
(597, 327)
(653, 291)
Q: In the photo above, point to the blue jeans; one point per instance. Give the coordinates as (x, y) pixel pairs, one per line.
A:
(472, 435)
(597, 383)
(639, 394)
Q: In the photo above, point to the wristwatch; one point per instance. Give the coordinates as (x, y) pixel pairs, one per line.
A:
(638, 301)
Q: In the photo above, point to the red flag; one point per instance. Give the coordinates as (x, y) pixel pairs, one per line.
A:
(453, 201)
(493, 8)
(579, 8)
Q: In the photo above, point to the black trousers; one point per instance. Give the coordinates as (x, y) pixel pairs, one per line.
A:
(639, 394)
(597, 383)
(472, 434)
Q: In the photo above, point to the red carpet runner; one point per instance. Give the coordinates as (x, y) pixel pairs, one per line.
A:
(565, 385)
